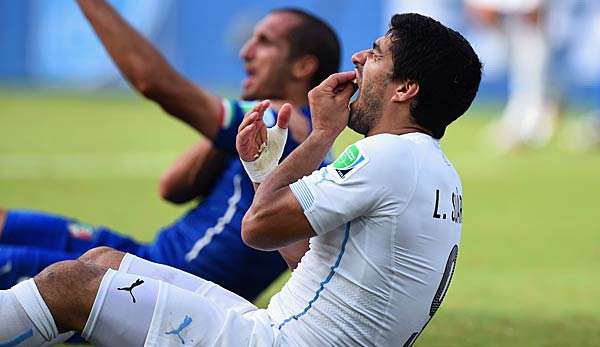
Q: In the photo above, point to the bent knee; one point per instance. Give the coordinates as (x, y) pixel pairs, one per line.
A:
(69, 288)
(94, 253)
(68, 273)
(103, 256)
(67, 269)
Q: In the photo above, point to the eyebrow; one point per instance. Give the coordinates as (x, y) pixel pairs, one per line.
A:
(376, 46)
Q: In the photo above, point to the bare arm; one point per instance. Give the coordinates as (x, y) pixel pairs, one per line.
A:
(193, 173)
(149, 73)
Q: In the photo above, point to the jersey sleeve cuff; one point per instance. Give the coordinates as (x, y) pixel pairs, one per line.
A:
(306, 200)
(230, 120)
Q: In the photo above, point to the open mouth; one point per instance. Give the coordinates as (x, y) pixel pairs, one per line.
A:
(250, 74)
(250, 71)
(358, 79)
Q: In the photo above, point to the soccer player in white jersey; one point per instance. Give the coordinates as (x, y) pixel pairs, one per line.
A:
(372, 238)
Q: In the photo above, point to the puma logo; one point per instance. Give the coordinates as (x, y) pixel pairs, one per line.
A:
(177, 332)
(137, 283)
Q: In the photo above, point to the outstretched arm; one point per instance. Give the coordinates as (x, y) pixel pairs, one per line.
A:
(148, 71)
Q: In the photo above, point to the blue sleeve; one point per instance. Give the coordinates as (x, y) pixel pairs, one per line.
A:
(232, 114)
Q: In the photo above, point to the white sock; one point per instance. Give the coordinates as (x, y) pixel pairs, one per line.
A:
(121, 316)
(26, 320)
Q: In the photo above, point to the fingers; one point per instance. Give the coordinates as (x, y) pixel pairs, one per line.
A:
(255, 113)
(246, 148)
(284, 115)
(250, 117)
(263, 133)
(259, 138)
(347, 91)
(332, 82)
(246, 134)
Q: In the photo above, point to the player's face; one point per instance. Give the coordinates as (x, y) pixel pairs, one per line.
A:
(374, 70)
(266, 58)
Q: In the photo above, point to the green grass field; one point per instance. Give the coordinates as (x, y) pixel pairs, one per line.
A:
(529, 267)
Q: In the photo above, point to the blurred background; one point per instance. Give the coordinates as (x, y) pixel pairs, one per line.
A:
(74, 139)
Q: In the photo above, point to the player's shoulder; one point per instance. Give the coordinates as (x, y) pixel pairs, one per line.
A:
(392, 142)
(390, 149)
(378, 157)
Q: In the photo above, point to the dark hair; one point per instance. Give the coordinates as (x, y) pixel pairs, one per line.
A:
(314, 37)
(441, 62)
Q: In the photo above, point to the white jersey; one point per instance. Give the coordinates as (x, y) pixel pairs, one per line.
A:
(388, 216)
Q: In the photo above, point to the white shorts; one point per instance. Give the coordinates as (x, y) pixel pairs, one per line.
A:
(185, 311)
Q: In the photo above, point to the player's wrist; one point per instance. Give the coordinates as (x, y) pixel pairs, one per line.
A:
(268, 159)
(326, 136)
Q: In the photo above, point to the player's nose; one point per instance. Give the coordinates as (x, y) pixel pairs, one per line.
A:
(247, 50)
(359, 58)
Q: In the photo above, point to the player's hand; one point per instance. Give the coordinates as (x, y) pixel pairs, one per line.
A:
(329, 103)
(252, 137)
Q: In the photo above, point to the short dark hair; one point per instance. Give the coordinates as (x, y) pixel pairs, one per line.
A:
(312, 36)
(442, 62)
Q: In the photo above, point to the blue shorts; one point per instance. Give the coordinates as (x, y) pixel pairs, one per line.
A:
(32, 240)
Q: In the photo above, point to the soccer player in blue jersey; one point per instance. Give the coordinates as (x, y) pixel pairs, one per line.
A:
(289, 52)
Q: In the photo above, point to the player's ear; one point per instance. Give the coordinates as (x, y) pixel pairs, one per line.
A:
(405, 91)
(304, 67)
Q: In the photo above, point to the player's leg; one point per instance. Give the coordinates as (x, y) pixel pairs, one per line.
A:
(51, 231)
(70, 295)
(528, 118)
(22, 262)
(31, 228)
(31, 241)
(172, 316)
(115, 308)
(131, 264)
(128, 263)
(28, 307)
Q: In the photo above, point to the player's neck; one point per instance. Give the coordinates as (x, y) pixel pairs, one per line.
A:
(297, 101)
(296, 93)
(396, 121)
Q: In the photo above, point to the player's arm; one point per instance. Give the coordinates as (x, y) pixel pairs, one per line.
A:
(193, 173)
(276, 219)
(149, 73)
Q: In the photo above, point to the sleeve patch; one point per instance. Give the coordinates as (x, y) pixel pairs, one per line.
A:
(227, 115)
(348, 162)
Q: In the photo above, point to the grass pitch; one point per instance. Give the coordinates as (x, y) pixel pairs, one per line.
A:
(528, 267)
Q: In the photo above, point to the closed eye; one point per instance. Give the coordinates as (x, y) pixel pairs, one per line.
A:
(372, 54)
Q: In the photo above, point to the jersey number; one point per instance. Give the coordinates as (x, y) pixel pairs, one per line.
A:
(440, 293)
